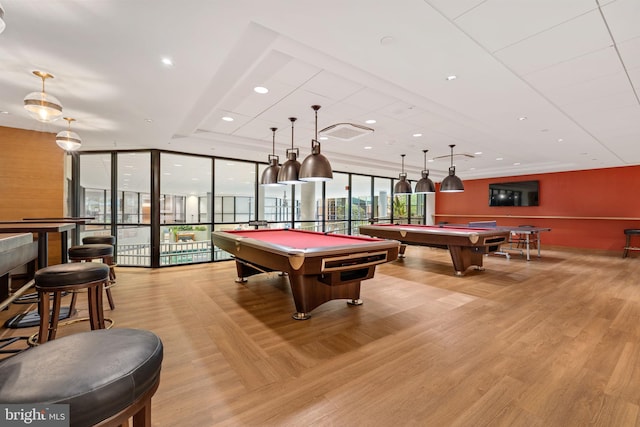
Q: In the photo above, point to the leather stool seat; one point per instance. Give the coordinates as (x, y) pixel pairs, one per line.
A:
(90, 251)
(61, 278)
(105, 240)
(102, 251)
(72, 273)
(105, 376)
(627, 247)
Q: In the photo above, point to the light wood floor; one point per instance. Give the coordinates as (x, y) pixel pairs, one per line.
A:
(551, 342)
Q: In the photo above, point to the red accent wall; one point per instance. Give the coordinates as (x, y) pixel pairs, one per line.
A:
(610, 196)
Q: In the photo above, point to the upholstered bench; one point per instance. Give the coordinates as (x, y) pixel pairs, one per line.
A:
(105, 376)
(627, 247)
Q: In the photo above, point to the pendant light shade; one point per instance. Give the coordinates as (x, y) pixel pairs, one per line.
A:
(425, 185)
(67, 140)
(270, 174)
(2, 24)
(316, 167)
(42, 106)
(452, 184)
(402, 186)
(291, 168)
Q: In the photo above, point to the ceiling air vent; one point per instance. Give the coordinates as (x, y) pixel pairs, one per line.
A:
(345, 131)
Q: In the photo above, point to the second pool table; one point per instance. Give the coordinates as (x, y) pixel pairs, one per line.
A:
(467, 245)
(320, 266)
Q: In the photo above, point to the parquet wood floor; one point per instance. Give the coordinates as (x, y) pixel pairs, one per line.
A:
(550, 342)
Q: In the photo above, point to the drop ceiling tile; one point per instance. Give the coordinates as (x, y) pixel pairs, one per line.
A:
(331, 86)
(557, 44)
(623, 17)
(497, 24)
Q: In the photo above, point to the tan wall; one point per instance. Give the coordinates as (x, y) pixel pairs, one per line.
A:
(31, 179)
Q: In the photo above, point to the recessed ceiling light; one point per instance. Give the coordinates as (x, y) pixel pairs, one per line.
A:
(452, 77)
(227, 119)
(499, 158)
(167, 61)
(323, 138)
(560, 139)
(417, 134)
(516, 164)
(148, 120)
(522, 118)
(4, 112)
(478, 153)
(167, 173)
(178, 165)
(368, 147)
(370, 121)
(260, 89)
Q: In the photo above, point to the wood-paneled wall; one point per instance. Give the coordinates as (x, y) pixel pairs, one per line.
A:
(32, 179)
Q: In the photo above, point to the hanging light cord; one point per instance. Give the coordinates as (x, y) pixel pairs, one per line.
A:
(273, 144)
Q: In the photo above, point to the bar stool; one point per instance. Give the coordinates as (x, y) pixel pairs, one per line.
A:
(104, 240)
(71, 277)
(104, 376)
(101, 251)
(627, 247)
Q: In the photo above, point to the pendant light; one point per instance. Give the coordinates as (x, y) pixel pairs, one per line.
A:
(270, 174)
(315, 167)
(291, 168)
(67, 140)
(42, 106)
(402, 186)
(2, 24)
(452, 184)
(425, 185)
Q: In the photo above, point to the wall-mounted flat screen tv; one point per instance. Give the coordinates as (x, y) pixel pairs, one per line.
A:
(520, 193)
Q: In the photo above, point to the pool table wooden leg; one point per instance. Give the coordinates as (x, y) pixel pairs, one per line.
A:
(403, 248)
(464, 257)
(309, 292)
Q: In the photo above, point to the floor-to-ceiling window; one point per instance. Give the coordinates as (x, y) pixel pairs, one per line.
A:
(337, 204)
(361, 202)
(179, 199)
(234, 202)
(133, 224)
(382, 200)
(185, 198)
(275, 204)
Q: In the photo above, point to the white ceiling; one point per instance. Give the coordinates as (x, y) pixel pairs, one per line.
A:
(571, 67)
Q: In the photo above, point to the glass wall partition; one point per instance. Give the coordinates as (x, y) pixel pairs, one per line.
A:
(133, 209)
(185, 197)
(188, 203)
(361, 202)
(382, 200)
(337, 204)
(274, 203)
(416, 210)
(234, 202)
(95, 194)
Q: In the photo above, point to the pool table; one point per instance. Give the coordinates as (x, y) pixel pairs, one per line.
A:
(321, 266)
(467, 245)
